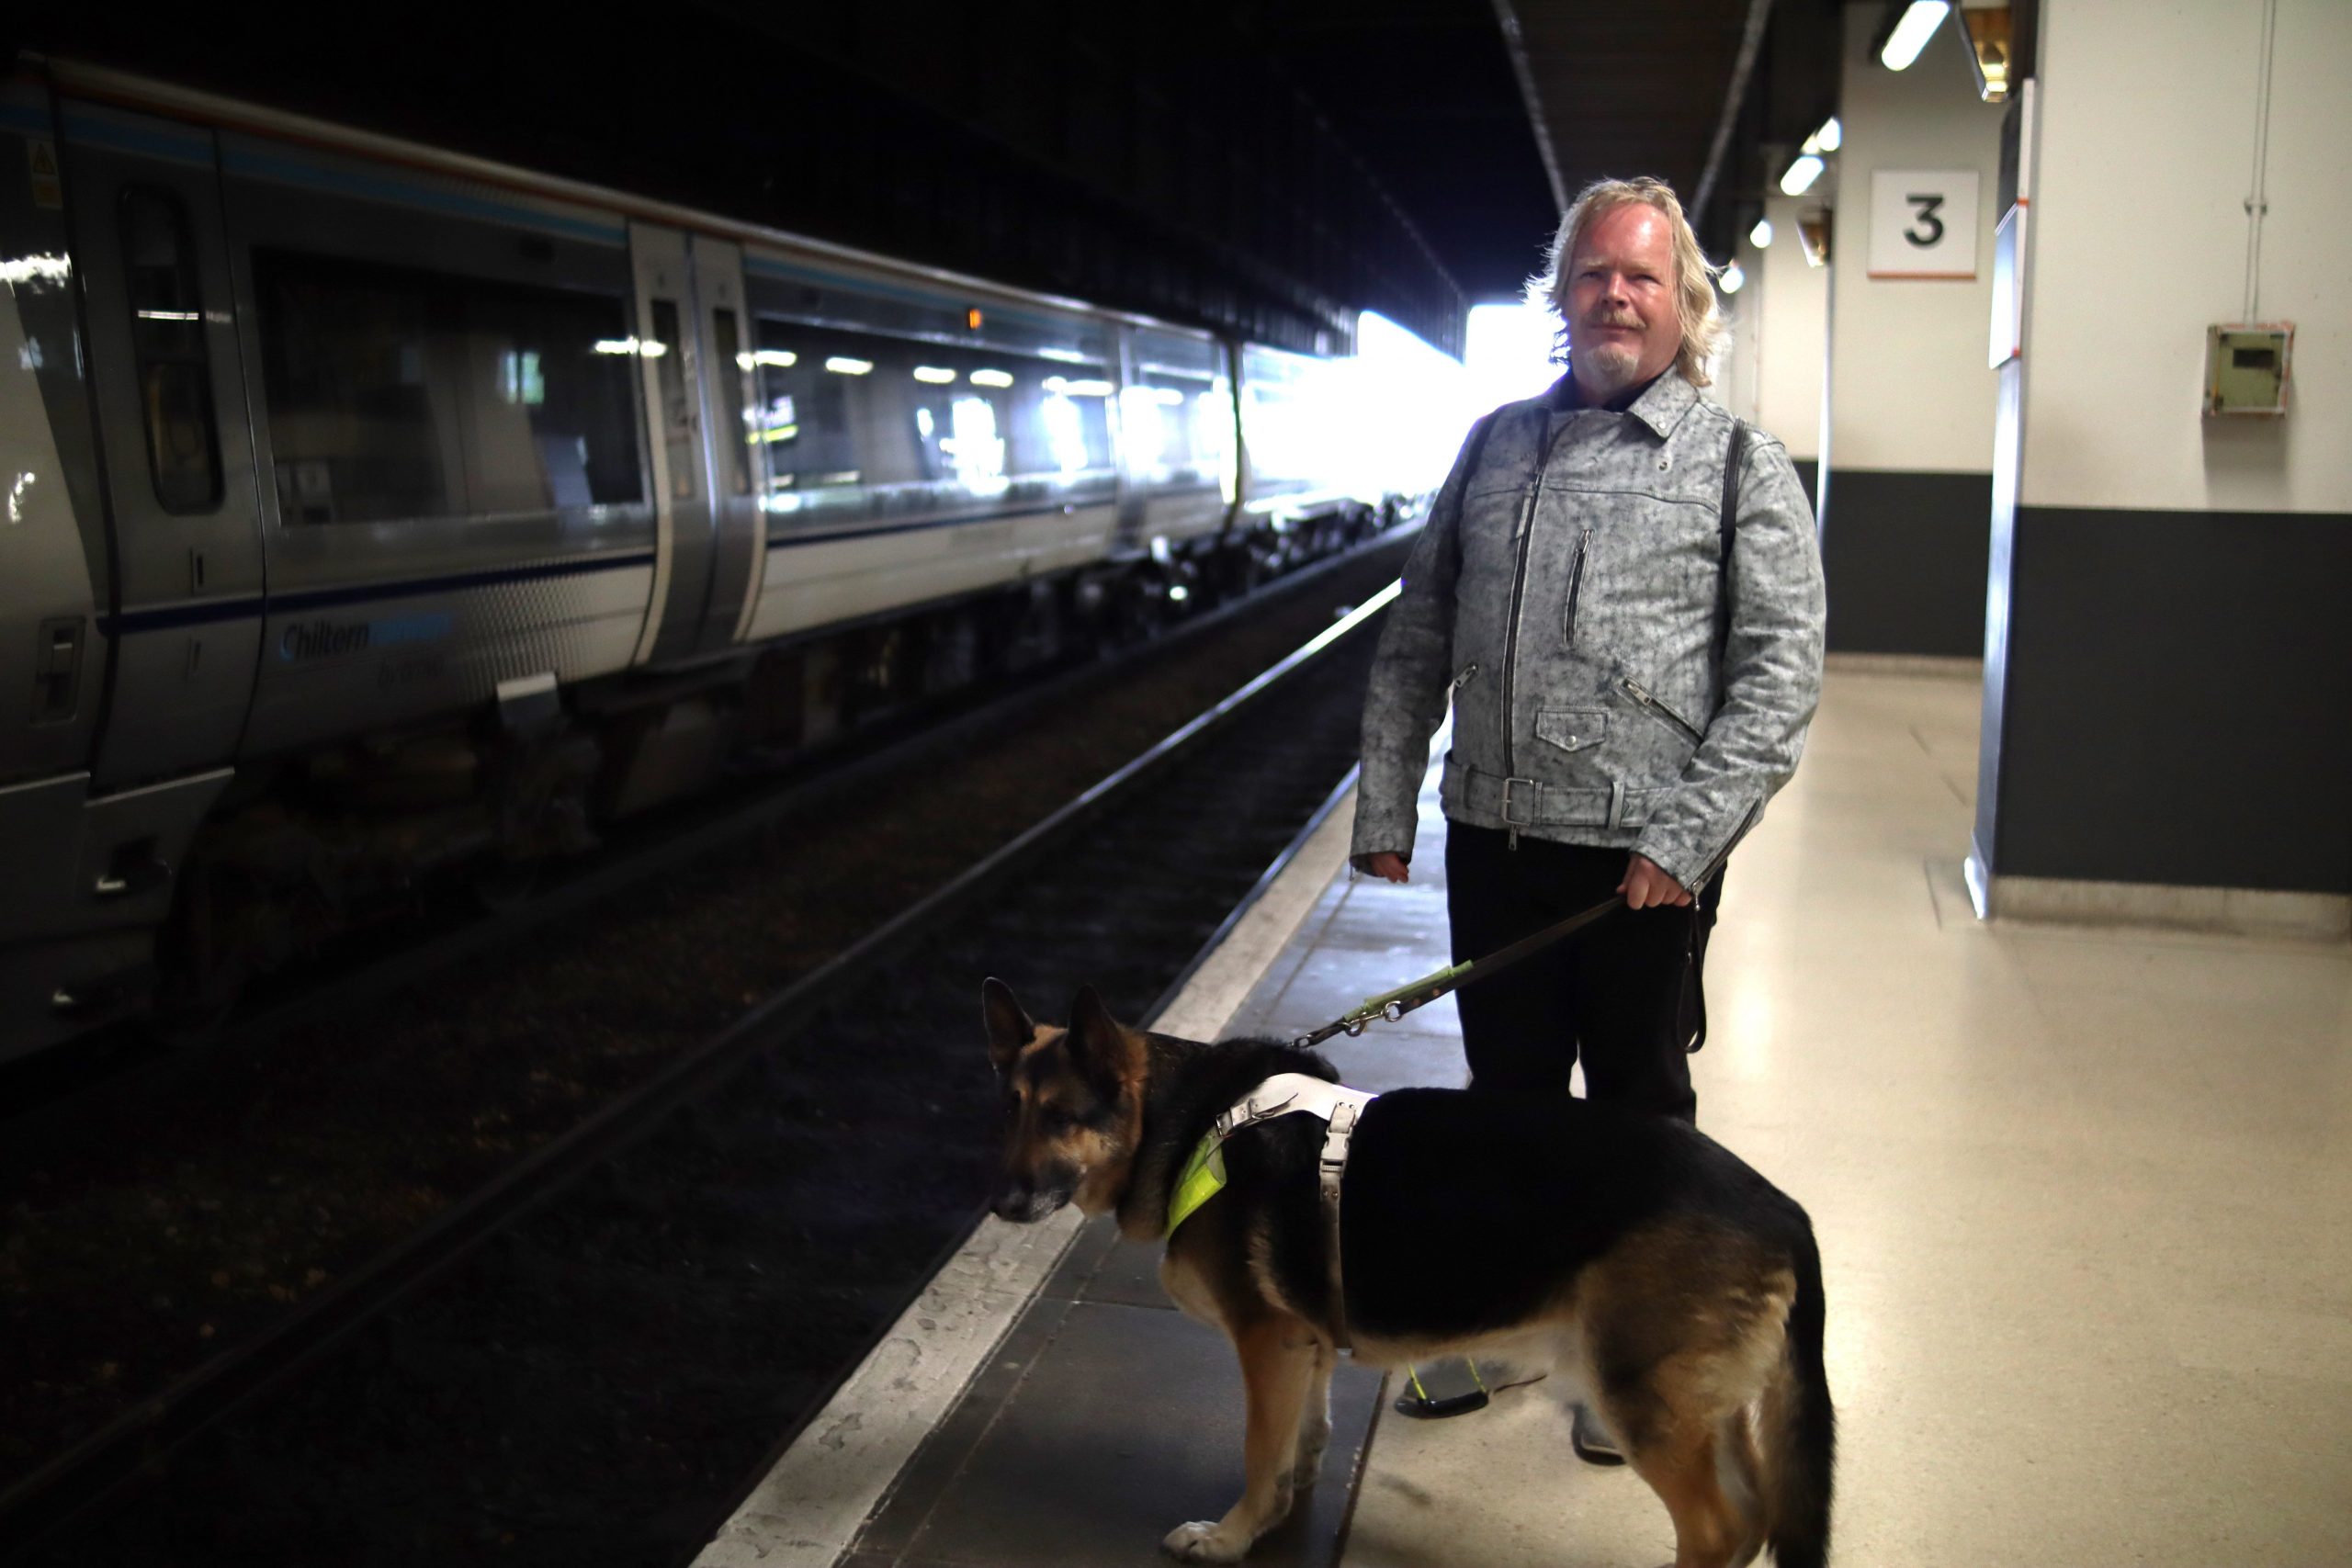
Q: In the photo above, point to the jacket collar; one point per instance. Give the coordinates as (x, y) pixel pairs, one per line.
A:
(1661, 406)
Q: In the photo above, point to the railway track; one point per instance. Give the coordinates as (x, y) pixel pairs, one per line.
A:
(406, 952)
(585, 1358)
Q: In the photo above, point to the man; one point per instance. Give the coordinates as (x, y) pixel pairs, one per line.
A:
(1565, 595)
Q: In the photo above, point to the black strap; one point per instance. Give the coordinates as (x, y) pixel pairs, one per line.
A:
(1394, 1005)
(1726, 525)
(1473, 449)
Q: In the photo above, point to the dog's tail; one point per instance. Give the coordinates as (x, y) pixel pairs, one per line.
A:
(1799, 1428)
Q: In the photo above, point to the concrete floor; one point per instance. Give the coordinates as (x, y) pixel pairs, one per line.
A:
(2084, 1202)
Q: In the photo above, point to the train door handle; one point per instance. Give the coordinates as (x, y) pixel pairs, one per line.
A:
(133, 869)
(57, 670)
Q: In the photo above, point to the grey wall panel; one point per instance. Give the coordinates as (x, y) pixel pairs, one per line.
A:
(2178, 701)
(1905, 555)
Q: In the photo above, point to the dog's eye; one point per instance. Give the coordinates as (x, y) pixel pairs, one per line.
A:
(1054, 1118)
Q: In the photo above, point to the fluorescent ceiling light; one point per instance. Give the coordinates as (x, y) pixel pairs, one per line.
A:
(1828, 139)
(1731, 278)
(1800, 175)
(1762, 235)
(934, 374)
(781, 359)
(1912, 33)
(842, 364)
(991, 378)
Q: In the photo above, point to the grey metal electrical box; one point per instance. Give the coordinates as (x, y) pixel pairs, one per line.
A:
(2246, 366)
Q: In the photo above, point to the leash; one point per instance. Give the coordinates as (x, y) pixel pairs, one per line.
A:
(1394, 1005)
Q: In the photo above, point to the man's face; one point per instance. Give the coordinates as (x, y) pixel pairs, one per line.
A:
(1624, 318)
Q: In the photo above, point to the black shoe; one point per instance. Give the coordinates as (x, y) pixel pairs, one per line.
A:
(1451, 1388)
(1591, 1440)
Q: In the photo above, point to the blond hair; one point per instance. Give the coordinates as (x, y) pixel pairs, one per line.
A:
(1694, 278)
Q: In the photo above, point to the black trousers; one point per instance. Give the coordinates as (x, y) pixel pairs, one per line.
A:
(1611, 993)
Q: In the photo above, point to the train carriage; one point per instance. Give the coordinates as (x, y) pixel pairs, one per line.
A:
(374, 510)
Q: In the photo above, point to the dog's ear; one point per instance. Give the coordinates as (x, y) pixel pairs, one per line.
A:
(1101, 1049)
(1007, 1024)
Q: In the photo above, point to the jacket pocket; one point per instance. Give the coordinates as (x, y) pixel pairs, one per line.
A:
(1572, 729)
(1660, 712)
(1576, 590)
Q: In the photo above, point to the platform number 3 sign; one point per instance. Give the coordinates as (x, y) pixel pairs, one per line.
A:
(1923, 223)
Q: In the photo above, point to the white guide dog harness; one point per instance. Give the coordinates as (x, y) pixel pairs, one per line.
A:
(1282, 1095)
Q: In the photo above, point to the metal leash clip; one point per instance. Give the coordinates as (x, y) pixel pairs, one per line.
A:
(1389, 1005)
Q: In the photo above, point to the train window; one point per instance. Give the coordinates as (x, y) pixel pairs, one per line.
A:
(668, 351)
(860, 425)
(168, 345)
(1290, 410)
(395, 394)
(1176, 427)
(729, 363)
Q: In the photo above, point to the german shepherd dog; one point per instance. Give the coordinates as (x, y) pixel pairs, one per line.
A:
(1677, 1287)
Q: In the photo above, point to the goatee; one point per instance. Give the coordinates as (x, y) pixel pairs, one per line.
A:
(1608, 370)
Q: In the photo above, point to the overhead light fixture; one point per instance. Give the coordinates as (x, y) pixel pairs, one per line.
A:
(934, 374)
(1828, 138)
(1762, 235)
(991, 378)
(1988, 28)
(1813, 229)
(1731, 278)
(1910, 35)
(1800, 174)
(842, 364)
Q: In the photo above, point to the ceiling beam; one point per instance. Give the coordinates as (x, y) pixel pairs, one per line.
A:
(1515, 44)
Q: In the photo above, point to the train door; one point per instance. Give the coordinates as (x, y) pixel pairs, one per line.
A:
(143, 201)
(739, 536)
(52, 549)
(671, 353)
(1126, 533)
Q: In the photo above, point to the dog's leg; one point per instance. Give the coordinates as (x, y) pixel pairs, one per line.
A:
(1678, 1459)
(1315, 1422)
(1737, 1470)
(1278, 1362)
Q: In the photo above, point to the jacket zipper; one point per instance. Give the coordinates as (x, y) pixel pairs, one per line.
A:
(1575, 587)
(1633, 690)
(1525, 535)
(1469, 671)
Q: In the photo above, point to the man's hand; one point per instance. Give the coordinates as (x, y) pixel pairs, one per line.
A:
(1645, 886)
(1387, 864)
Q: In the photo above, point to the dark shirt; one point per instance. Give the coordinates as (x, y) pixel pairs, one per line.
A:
(1567, 396)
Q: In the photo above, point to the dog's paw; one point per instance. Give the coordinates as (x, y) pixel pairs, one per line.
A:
(1205, 1541)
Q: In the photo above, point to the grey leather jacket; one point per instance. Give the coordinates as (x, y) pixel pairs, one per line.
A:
(1565, 594)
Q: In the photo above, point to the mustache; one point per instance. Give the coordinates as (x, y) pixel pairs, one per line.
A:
(1602, 319)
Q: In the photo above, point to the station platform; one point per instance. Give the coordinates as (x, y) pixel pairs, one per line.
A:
(2079, 1194)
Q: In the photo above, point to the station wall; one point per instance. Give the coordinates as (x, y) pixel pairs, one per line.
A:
(2169, 659)
(1906, 509)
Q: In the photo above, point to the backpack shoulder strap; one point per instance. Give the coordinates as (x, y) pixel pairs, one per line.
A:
(1476, 448)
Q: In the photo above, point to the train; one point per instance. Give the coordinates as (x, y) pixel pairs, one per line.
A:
(377, 512)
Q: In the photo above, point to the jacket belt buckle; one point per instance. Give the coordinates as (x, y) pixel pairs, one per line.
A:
(1510, 815)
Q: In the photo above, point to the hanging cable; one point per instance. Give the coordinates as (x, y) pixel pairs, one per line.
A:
(2257, 203)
